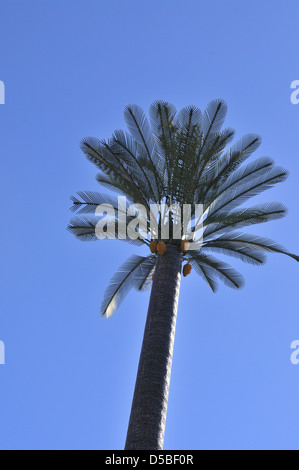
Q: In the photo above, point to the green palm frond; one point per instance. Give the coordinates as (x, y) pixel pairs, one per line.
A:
(162, 116)
(246, 254)
(228, 163)
(206, 272)
(213, 119)
(124, 144)
(231, 198)
(223, 221)
(207, 157)
(142, 280)
(188, 117)
(113, 183)
(188, 139)
(84, 228)
(90, 200)
(203, 164)
(255, 242)
(218, 269)
(140, 129)
(114, 166)
(253, 170)
(120, 284)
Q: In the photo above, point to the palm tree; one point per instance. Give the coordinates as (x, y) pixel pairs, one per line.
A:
(180, 158)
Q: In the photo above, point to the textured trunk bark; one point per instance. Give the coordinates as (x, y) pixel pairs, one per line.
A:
(148, 414)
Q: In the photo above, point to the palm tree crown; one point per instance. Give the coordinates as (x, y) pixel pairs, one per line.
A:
(182, 158)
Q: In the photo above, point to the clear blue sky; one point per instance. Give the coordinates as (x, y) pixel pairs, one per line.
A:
(69, 68)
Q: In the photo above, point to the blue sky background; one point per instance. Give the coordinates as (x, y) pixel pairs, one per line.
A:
(69, 68)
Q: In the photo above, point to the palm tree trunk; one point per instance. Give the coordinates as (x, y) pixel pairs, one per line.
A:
(148, 414)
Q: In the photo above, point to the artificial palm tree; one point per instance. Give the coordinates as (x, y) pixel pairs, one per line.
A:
(179, 158)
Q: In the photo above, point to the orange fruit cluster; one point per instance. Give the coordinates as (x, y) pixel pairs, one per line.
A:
(157, 247)
(187, 269)
(185, 246)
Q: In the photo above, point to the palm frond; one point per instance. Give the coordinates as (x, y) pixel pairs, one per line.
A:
(232, 198)
(244, 253)
(125, 145)
(256, 242)
(253, 171)
(214, 116)
(113, 166)
(95, 151)
(140, 129)
(207, 274)
(220, 270)
(188, 116)
(229, 162)
(261, 213)
(90, 200)
(188, 138)
(210, 154)
(85, 229)
(120, 284)
(162, 116)
(142, 280)
(206, 159)
(114, 184)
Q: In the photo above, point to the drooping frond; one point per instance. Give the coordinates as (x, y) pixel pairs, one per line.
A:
(142, 280)
(253, 241)
(120, 284)
(207, 274)
(246, 254)
(218, 269)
